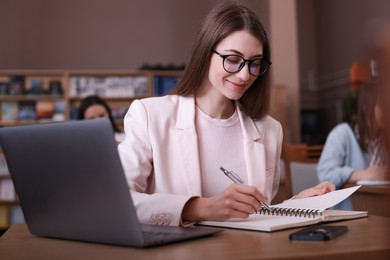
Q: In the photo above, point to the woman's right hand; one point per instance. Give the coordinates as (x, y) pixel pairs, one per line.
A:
(237, 201)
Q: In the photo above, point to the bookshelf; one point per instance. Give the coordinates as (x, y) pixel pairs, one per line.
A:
(41, 96)
(31, 96)
(9, 206)
(38, 96)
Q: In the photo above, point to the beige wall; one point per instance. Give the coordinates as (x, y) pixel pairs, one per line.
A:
(99, 34)
(125, 34)
(285, 71)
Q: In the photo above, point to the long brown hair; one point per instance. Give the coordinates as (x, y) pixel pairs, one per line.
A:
(369, 132)
(224, 19)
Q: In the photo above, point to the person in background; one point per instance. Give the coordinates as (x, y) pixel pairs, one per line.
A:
(95, 107)
(380, 47)
(382, 57)
(353, 150)
(216, 116)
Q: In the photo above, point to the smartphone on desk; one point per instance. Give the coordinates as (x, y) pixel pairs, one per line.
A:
(318, 233)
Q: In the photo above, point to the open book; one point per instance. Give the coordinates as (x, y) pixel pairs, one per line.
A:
(295, 213)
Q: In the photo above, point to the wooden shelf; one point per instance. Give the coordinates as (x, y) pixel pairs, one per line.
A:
(6, 176)
(9, 202)
(25, 122)
(71, 97)
(78, 99)
(4, 98)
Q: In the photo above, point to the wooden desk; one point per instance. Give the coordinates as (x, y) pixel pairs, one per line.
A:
(367, 238)
(374, 199)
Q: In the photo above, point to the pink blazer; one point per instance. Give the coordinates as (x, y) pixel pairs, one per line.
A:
(161, 162)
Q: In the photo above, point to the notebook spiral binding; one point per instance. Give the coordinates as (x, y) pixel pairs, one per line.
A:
(307, 213)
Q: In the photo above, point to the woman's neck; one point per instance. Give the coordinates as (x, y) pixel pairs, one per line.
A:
(216, 107)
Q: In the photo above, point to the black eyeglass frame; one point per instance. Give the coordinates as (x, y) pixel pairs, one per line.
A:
(267, 62)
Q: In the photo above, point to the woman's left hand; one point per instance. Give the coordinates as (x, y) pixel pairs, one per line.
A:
(322, 188)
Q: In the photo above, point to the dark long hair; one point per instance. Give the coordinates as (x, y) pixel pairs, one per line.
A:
(96, 100)
(224, 19)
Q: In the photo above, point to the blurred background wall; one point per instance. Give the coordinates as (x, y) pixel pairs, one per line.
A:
(332, 35)
(99, 34)
(314, 42)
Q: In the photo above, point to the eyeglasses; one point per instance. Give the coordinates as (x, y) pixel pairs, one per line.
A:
(233, 63)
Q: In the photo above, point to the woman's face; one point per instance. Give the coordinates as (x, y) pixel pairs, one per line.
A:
(234, 85)
(95, 111)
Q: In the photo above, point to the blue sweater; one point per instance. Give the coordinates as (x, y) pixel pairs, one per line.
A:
(340, 157)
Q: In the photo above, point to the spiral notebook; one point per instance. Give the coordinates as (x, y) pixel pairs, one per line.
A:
(295, 213)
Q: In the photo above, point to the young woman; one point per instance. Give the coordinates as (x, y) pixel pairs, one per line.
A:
(95, 107)
(353, 151)
(216, 116)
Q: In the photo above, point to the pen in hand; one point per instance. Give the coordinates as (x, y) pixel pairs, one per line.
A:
(236, 179)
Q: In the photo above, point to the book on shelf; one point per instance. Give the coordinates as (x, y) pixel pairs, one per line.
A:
(36, 86)
(59, 111)
(4, 216)
(27, 111)
(55, 87)
(3, 165)
(108, 87)
(164, 84)
(4, 88)
(16, 85)
(16, 215)
(295, 213)
(44, 109)
(9, 111)
(7, 190)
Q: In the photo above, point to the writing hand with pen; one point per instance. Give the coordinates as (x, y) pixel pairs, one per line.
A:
(236, 179)
(236, 201)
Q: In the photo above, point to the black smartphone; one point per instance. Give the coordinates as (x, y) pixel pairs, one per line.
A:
(318, 233)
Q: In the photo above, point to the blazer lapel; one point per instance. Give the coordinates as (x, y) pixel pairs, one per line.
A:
(188, 144)
(254, 151)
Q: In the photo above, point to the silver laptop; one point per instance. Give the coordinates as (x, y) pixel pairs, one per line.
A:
(71, 185)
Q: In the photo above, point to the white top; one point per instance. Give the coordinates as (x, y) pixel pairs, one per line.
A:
(220, 144)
